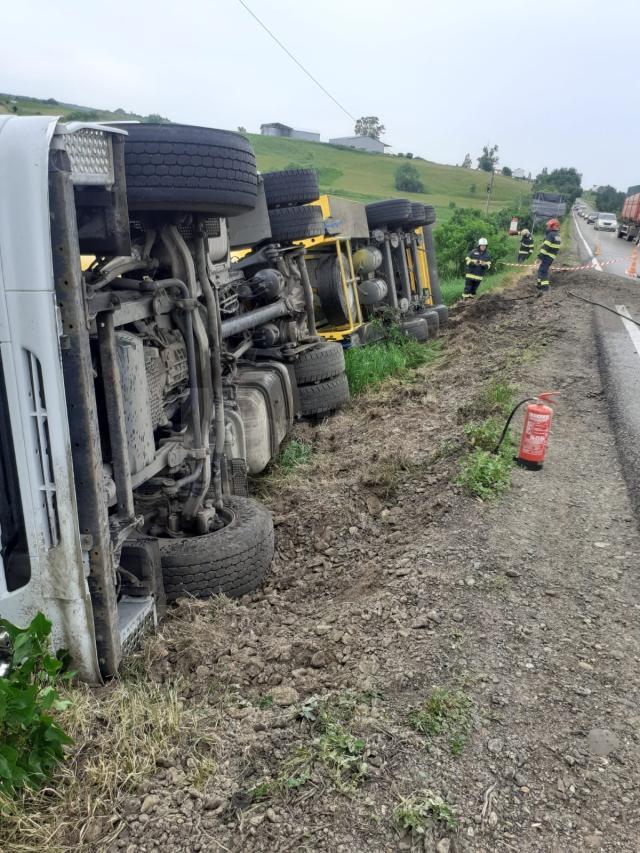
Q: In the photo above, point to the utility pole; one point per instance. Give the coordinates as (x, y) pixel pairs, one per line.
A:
(489, 191)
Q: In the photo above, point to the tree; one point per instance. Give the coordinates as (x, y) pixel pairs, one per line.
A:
(567, 181)
(408, 179)
(155, 118)
(608, 198)
(489, 159)
(507, 172)
(369, 126)
(242, 129)
(409, 155)
(466, 163)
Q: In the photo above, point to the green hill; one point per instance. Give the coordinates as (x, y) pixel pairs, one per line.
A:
(370, 177)
(354, 174)
(23, 105)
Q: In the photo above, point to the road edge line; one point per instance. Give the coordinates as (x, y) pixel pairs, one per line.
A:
(594, 261)
(634, 331)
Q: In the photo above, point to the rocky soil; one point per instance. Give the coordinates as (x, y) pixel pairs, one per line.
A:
(389, 584)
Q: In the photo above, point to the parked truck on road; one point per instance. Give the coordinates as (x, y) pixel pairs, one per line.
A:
(629, 221)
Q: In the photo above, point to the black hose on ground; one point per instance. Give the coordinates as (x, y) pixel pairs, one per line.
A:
(509, 419)
(600, 305)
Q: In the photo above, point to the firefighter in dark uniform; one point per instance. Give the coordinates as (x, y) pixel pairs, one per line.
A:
(547, 254)
(526, 245)
(478, 262)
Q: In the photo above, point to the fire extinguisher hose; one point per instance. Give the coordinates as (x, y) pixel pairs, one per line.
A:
(509, 419)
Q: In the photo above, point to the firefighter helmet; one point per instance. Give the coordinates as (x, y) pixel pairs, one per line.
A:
(525, 232)
(483, 241)
(553, 225)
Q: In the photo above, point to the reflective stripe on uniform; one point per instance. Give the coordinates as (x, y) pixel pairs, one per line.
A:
(474, 277)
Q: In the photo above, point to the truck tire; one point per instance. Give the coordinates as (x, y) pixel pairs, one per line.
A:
(290, 187)
(416, 328)
(231, 561)
(443, 315)
(296, 223)
(392, 212)
(432, 319)
(429, 214)
(417, 217)
(324, 397)
(177, 167)
(324, 361)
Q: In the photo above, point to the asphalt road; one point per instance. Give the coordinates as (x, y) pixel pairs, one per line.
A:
(605, 246)
(617, 340)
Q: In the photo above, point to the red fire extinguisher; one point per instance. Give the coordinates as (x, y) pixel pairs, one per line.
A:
(535, 433)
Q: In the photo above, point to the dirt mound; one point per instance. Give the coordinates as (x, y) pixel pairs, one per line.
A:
(481, 307)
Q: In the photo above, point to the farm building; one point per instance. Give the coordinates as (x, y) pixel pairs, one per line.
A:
(275, 128)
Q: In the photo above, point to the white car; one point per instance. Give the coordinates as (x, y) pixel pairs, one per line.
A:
(606, 222)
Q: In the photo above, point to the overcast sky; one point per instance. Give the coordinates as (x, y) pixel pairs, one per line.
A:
(552, 83)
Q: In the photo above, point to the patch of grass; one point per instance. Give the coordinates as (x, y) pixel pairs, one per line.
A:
(482, 472)
(485, 474)
(484, 435)
(120, 734)
(497, 399)
(368, 367)
(336, 752)
(416, 813)
(444, 712)
(342, 754)
(265, 702)
(261, 792)
(293, 455)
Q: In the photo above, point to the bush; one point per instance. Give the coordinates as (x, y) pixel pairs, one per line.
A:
(31, 742)
(455, 238)
(506, 171)
(408, 179)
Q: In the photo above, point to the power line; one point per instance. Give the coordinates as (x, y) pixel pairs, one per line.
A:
(297, 62)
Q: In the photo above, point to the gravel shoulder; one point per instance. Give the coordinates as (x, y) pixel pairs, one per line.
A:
(390, 583)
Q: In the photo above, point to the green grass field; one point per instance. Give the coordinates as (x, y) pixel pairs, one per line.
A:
(370, 177)
(25, 106)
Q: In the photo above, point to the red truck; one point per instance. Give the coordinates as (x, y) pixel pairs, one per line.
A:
(629, 222)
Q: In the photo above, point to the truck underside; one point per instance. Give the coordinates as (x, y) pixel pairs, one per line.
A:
(145, 375)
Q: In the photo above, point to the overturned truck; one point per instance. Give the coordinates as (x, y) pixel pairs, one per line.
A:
(142, 376)
(364, 263)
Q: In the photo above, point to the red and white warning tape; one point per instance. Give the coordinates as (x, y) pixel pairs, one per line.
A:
(571, 269)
